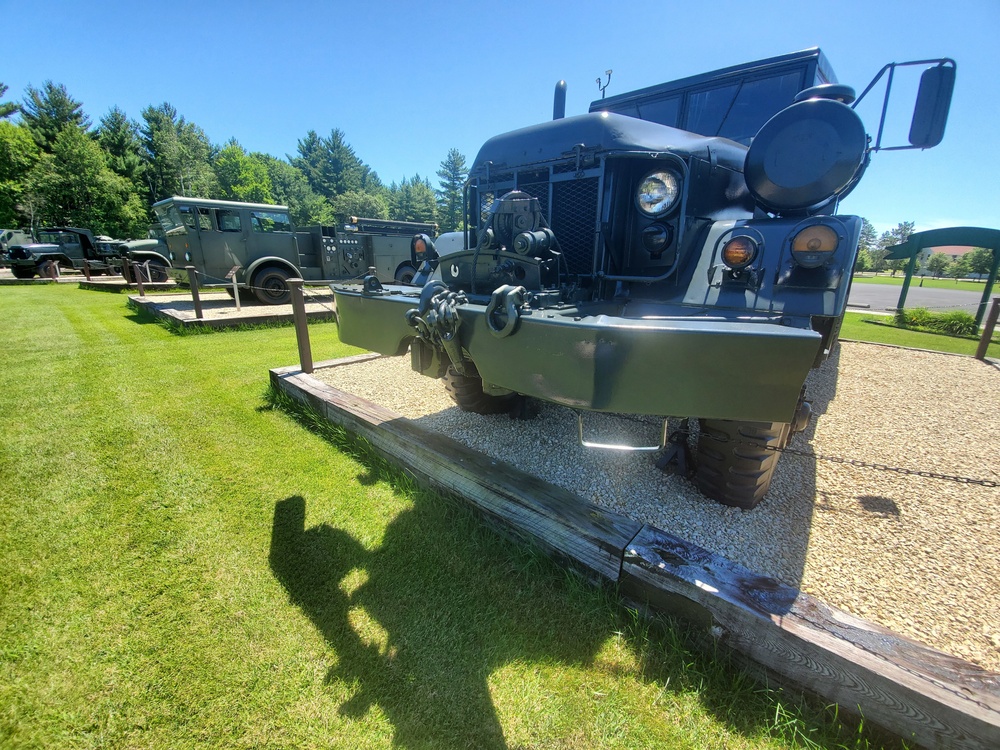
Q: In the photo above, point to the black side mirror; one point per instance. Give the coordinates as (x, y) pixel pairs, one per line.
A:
(422, 249)
(933, 102)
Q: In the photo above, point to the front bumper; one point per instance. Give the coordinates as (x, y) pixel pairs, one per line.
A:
(740, 368)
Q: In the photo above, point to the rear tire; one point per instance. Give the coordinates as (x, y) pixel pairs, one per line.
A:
(736, 460)
(467, 392)
(270, 286)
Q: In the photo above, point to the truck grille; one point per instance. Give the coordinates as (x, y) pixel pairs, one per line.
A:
(570, 207)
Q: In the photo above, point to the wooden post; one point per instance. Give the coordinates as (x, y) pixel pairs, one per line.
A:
(125, 274)
(53, 272)
(86, 269)
(991, 322)
(301, 325)
(138, 279)
(193, 277)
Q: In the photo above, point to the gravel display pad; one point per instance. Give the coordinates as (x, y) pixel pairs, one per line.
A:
(918, 555)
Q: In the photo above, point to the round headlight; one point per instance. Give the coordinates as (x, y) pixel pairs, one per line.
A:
(658, 192)
(739, 252)
(187, 257)
(813, 245)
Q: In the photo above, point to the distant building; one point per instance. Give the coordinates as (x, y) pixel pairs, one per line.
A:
(952, 251)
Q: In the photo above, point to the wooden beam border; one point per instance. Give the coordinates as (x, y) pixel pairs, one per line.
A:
(920, 694)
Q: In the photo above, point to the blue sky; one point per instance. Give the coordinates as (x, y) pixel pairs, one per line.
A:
(406, 81)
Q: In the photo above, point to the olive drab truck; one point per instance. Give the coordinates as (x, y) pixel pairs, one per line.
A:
(675, 252)
(258, 244)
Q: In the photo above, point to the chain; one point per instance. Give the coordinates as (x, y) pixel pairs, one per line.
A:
(883, 467)
(683, 434)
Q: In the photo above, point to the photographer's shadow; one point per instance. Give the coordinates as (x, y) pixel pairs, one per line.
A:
(416, 628)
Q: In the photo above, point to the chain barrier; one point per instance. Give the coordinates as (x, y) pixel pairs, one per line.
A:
(883, 467)
(685, 433)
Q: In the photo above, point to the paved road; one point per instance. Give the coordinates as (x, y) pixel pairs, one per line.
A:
(882, 297)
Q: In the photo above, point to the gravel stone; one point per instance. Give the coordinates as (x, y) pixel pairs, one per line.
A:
(919, 555)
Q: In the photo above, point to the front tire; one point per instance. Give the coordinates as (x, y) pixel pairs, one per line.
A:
(467, 392)
(158, 273)
(736, 460)
(405, 274)
(20, 272)
(270, 286)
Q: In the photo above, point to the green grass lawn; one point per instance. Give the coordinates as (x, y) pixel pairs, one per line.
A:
(184, 565)
(928, 281)
(880, 329)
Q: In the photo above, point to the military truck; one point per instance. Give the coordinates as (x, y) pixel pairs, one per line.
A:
(150, 253)
(674, 252)
(68, 248)
(9, 237)
(259, 244)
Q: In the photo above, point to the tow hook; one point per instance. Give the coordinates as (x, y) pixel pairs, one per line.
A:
(802, 416)
(676, 457)
(502, 311)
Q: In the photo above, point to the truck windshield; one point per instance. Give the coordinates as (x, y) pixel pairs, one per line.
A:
(732, 103)
(736, 110)
(174, 219)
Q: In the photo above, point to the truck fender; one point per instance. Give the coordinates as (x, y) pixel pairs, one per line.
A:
(64, 260)
(269, 260)
(142, 256)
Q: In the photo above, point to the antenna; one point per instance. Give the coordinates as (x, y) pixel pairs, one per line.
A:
(606, 83)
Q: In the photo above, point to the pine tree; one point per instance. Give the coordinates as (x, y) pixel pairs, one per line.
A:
(48, 110)
(453, 173)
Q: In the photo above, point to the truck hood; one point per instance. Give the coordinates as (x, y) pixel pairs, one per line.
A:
(603, 132)
(24, 252)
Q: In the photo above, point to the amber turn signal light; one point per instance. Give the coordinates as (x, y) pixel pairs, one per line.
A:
(739, 252)
(813, 245)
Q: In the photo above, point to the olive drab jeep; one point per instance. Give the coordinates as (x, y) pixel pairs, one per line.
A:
(67, 247)
(675, 252)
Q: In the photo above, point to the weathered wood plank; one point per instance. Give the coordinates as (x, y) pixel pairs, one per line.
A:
(552, 518)
(921, 694)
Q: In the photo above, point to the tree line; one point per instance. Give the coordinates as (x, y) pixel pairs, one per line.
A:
(873, 248)
(57, 169)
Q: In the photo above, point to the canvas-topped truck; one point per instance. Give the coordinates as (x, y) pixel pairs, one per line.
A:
(260, 242)
(674, 252)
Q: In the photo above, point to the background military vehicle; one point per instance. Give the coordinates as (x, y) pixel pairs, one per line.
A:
(9, 237)
(674, 252)
(217, 236)
(68, 247)
(152, 253)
